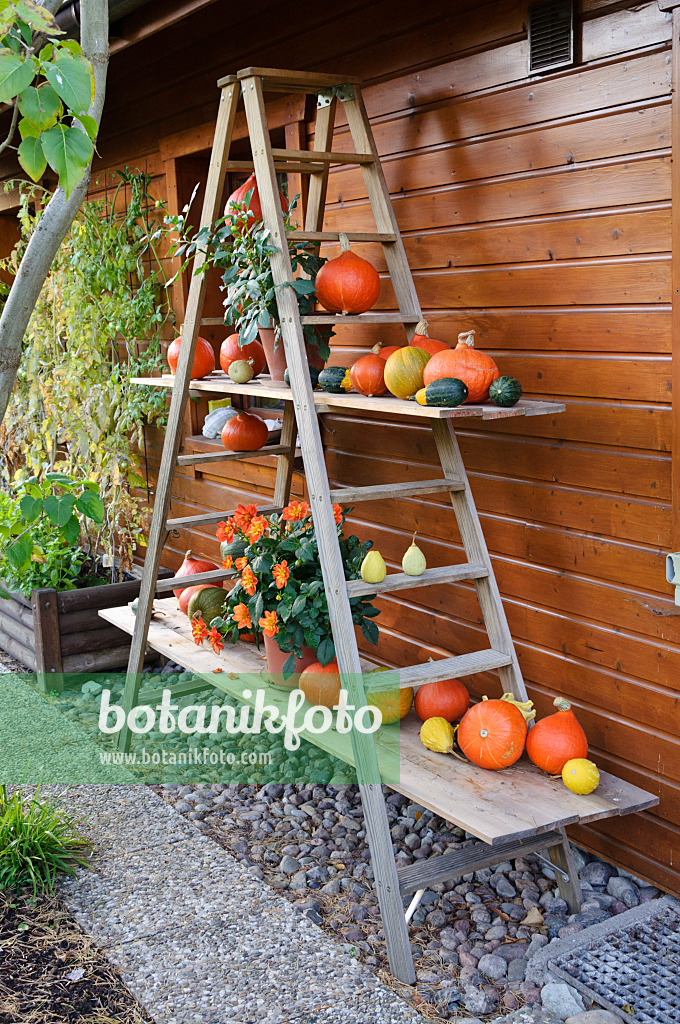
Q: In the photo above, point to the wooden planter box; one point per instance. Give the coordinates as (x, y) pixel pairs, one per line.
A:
(61, 631)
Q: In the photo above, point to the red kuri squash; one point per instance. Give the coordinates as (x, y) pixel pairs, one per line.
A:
(255, 207)
(446, 699)
(190, 566)
(421, 340)
(492, 734)
(321, 683)
(557, 739)
(467, 363)
(348, 283)
(245, 433)
(385, 351)
(367, 375)
(204, 358)
(230, 351)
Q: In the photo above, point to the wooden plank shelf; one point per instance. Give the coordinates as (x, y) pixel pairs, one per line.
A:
(218, 383)
(401, 581)
(497, 807)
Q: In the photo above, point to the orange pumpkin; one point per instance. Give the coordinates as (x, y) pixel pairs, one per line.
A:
(385, 351)
(492, 734)
(421, 340)
(367, 375)
(204, 358)
(245, 433)
(321, 683)
(347, 284)
(190, 566)
(404, 371)
(230, 351)
(239, 198)
(557, 739)
(446, 699)
(476, 369)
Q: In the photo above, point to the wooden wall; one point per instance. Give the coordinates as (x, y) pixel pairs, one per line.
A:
(536, 211)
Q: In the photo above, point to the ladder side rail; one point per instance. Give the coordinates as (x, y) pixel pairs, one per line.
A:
(324, 127)
(477, 552)
(375, 815)
(284, 468)
(180, 392)
(381, 204)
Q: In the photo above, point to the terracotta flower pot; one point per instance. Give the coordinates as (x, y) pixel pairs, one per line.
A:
(276, 357)
(276, 659)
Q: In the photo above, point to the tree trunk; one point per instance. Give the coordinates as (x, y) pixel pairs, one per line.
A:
(57, 217)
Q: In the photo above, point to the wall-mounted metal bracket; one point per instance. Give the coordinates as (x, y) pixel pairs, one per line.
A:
(343, 93)
(673, 573)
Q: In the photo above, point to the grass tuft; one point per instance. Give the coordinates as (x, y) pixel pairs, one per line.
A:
(37, 841)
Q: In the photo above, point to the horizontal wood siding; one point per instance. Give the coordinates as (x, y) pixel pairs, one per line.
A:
(537, 212)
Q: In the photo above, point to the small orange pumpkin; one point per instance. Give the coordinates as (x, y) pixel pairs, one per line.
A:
(255, 207)
(245, 433)
(421, 340)
(557, 739)
(447, 699)
(492, 734)
(321, 683)
(367, 375)
(348, 283)
(476, 369)
(385, 351)
(404, 371)
(230, 351)
(204, 358)
(190, 567)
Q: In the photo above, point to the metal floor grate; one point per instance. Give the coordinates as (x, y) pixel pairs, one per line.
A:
(633, 971)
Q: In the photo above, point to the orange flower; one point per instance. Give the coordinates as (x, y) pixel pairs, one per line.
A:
(215, 638)
(249, 581)
(295, 511)
(225, 531)
(241, 616)
(243, 516)
(269, 624)
(256, 528)
(199, 630)
(228, 562)
(241, 563)
(281, 572)
(337, 512)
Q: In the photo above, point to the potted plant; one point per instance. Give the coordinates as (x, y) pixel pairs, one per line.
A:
(280, 594)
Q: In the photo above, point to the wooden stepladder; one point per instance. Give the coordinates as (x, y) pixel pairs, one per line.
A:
(300, 418)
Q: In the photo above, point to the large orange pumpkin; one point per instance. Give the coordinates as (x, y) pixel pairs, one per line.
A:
(347, 284)
(385, 351)
(447, 699)
(245, 433)
(421, 340)
(557, 739)
(190, 566)
(492, 734)
(367, 375)
(230, 351)
(321, 684)
(239, 198)
(204, 358)
(476, 369)
(404, 371)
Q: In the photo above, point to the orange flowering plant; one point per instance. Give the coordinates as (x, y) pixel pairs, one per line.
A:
(279, 591)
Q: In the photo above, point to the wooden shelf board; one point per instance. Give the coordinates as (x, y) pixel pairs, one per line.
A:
(494, 806)
(263, 387)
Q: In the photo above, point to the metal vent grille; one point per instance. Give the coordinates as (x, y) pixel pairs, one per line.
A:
(551, 35)
(633, 971)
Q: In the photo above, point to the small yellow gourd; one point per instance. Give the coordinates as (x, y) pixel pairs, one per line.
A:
(413, 563)
(437, 734)
(241, 370)
(373, 568)
(581, 776)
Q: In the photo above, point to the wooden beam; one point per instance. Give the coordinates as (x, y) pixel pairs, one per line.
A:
(675, 287)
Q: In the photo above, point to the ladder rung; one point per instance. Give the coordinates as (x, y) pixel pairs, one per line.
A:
(363, 318)
(312, 155)
(214, 517)
(301, 167)
(334, 236)
(214, 576)
(453, 668)
(194, 460)
(212, 321)
(311, 81)
(401, 581)
(401, 490)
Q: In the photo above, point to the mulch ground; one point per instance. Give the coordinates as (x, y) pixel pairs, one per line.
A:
(52, 973)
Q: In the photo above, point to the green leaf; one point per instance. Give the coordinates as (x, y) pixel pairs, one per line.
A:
(30, 508)
(41, 107)
(289, 666)
(298, 605)
(59, 510)
(370, 631)
(38, 17)
(68, 152)
(325, 652)
(70, 78)
(302, 287)
(32, 158)
(71, 530)
(90, 126)
(19, 553)
(28, 130)
(15, 76)
(91, 505)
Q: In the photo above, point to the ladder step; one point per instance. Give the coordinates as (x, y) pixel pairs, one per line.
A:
(453, 668)
(363, 318)
(214, 576)
(401, 581)
(306, 81)
(334, 236)
(312, 155)
(214, 517)
(401, 490)
(194, 460)
(285, 167)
